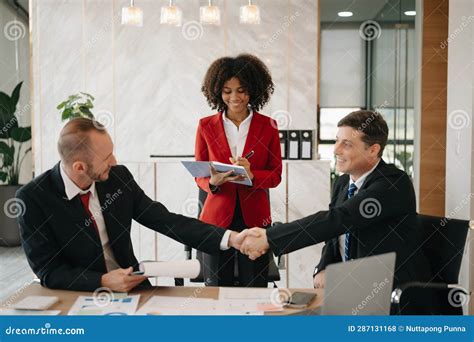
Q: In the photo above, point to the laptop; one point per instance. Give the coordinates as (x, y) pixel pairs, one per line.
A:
(359, 287)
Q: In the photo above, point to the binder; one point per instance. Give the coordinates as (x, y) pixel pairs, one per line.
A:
(283, 144)
(293, 145)
(306, 145)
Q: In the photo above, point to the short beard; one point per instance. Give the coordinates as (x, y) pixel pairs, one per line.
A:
(93, 176)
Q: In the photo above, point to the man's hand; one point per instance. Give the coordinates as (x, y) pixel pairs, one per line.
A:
(121, 280)
(241, 161)
(255, 243)
(219, 178)
(236, 239)
(319, 280)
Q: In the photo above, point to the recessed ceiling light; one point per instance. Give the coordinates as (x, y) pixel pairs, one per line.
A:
(345, 14)
(410, 13)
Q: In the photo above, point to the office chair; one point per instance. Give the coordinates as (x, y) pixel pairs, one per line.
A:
(273, 273)
(443, 245)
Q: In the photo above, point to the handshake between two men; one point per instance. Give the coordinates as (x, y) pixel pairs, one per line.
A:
(251, 242)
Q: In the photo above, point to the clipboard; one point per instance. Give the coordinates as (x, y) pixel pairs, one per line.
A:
(201, 169)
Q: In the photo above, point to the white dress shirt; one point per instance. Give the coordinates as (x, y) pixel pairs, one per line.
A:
(237, 136)
(72, 190)
(358, 183)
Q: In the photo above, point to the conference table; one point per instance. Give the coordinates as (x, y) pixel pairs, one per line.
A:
(67, 298)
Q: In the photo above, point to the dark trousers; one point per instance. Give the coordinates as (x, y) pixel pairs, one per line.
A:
(218, 269)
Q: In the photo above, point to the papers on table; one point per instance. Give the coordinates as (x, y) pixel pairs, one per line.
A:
(190, 306)
(256, 294)
(201, 169)
(113, 304)
(261, 299)
(231, 301)
(174, 269)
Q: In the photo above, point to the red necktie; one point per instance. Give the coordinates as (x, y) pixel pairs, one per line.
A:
(85, 202)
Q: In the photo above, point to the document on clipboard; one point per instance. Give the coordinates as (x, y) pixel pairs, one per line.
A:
(201, 169)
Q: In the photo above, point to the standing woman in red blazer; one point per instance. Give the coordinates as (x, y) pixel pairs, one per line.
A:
(238, 88)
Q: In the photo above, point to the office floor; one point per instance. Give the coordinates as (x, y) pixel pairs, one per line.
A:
(15, 272)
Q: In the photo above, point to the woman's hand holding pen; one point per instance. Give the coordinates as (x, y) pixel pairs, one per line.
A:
(219, 178)
(243, 161)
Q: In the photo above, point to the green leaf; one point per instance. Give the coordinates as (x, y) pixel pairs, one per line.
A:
(8, 156)
(61, 105)
(21, 134)
(67, 113)
(7, 124)
(5, 105)
(76, 115)
(4, 148)
(3, 176)
(84, 110)
(15, 97)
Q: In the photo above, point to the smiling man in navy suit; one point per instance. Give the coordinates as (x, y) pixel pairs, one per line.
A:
(75, 228)
(372, 209)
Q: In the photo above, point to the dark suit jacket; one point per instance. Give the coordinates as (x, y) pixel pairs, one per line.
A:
(381, 218)
(64, 250)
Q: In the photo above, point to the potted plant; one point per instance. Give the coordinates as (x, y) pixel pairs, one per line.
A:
(12, 155)
(77, 106)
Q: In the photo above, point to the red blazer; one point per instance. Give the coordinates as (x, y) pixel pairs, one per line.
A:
(266, 166)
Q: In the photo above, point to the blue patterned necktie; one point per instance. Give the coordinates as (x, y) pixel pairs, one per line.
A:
(350, 193)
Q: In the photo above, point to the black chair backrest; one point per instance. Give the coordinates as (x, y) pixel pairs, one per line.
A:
(443, 245)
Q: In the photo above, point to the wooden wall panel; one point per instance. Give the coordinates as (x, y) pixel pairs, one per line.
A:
(433, 108)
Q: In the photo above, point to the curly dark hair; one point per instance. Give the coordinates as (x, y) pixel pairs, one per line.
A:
(252, 73)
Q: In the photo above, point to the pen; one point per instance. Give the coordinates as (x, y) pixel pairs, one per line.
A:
(248, 155)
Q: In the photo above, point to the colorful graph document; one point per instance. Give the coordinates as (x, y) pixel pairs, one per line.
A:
(116, 304)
